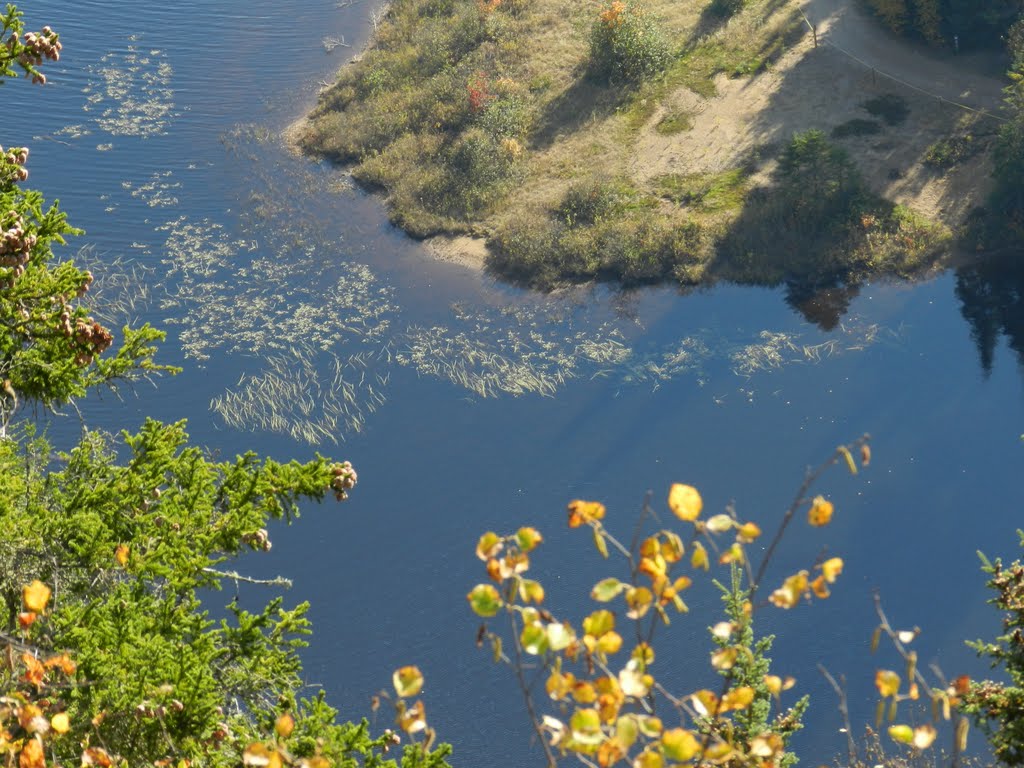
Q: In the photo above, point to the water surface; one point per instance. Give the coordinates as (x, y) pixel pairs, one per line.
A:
(306, 323)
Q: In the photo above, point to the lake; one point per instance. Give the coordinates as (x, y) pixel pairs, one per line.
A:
(305, 322)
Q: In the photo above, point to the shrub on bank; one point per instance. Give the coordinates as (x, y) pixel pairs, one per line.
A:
(626, 45)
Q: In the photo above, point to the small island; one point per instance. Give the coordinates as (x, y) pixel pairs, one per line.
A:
(689, 141)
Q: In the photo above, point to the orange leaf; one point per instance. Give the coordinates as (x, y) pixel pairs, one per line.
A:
(820, 512)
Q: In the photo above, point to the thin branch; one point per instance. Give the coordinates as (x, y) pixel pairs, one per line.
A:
(277, 581)
(840, 690)
(524, 687)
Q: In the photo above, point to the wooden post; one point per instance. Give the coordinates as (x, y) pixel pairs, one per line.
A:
(814, 30)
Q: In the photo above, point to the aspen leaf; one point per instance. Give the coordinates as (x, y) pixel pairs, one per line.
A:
(531, 591)
(639, 600)
(60, 722)
(887, 682)
(584, 692)
(560, 636)
(610, 752)
(559, 685)
(672, 548)
(609, 642)
(774, 684)
(924, 736)
(598, 623)
(607, 589)
(627, 730)
(600, 543)
(489, 545)
(582, 512)
(906, 636)
(699, 558)
(528, 538)
(585, 725)
(848, 458)
(723, 630)
(820, 512)
(738, 698)
(534, 639)
(649, 759)
(831, 569)
(32, 755)
(408, 681)
(747, 532)
(35, 596)
(633, 682)
(904, 734)
(285, 724)
(962, 727)
(98, 756)
(705, 702)
(121, 555)
(820, 588)
(414, 719)
(719, 523)
(875, 637)
(26, 619)
(793, 588)
(484, 600)
(734, 554)
(643, 654)
(680, 745)
(865, 454)
(685, 502)
(650, 726)
(724, 658)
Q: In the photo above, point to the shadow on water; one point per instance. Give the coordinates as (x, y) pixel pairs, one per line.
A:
(991, 295)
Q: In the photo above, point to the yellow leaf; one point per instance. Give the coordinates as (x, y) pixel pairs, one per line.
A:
(285, 724)
(685, 502)
(699, 558)
(865, 454)
(962, 726)
(408, 681)
(705, 702)
(610, 752)
(414, 719)
(586, 727)
(32, 755)
(60, 722)
(774, 684)
(723, 658)
(649, 759)
(850, 463)
(738, 698)
(831, 569)
(887, 682)
(584, 692)
(531, 591)
(819, 588)
(484, 600)
(747, 532)
(680, 745)
(792, 589)
(904, 734)
(35, 596)
(639, 600)
(719, 523)
(528, 538)
(820, 512)
(600, 543)
(581, 512)
(121, 554)
(610, 642)
(489, 545)
(672, 548)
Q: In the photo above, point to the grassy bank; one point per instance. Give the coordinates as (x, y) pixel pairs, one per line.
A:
(520, 122)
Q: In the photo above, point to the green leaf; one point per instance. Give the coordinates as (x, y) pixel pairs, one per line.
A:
(607, 589)
(484, 600)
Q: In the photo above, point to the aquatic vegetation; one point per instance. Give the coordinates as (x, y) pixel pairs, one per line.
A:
(157, 192)
(130, 92)
(299, 395)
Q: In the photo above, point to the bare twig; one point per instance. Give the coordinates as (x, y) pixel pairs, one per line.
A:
(277, 581)
(840, 689)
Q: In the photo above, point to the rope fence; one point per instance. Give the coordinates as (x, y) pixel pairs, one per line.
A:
(876, 72)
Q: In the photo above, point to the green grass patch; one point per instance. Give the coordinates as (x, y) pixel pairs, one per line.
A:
(674, 122)
(706, 192)
(949, 152)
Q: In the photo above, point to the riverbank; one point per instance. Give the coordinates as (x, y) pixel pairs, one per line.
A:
(488, 135)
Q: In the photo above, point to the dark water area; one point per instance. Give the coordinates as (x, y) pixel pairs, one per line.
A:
(306, 323)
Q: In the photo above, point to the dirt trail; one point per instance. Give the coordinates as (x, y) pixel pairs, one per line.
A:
(842, 24)
(824, 88)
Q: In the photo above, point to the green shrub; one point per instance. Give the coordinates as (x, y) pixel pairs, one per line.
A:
(588, 203)
(626, 45)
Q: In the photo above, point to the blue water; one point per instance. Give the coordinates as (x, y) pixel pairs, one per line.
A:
(159, 133)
